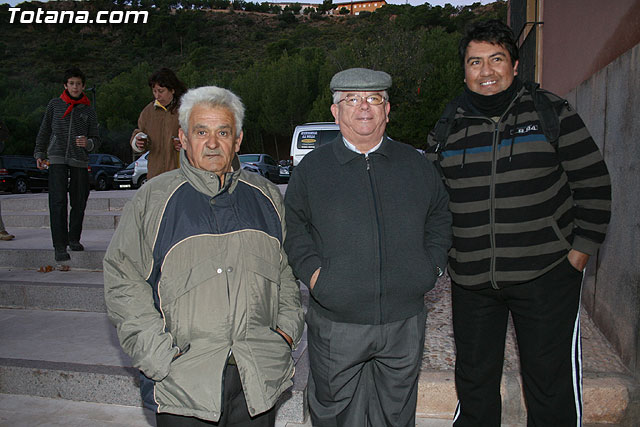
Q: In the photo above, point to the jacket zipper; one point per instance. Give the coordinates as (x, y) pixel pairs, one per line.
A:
(492, 190)
(492, 207)
(378, 236)
(66, 155)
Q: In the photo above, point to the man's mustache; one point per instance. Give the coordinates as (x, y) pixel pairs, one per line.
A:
(210, 152)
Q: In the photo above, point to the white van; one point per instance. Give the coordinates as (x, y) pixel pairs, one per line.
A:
(308, 136)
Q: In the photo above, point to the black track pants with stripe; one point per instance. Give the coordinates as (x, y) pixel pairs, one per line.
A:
(546, 316)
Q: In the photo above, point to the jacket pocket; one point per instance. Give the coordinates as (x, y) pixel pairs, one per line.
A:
(52, 142)
(264, 290)
(324, 271)
(186, 299)
(173, 285)
(274, 363)
(559, 234)
(182, 388)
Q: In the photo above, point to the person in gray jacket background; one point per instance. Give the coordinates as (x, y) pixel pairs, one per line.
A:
(198, 284)
(368, 230)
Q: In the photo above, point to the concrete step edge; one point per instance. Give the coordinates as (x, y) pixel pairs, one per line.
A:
(106, 384)
(71, 381)
(52, 296)
(93, 220)
(36, 258)
(606, 397)
(41, 203)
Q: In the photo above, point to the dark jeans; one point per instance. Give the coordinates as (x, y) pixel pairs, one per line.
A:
(546, 316)
(63, 178)
(234, 409)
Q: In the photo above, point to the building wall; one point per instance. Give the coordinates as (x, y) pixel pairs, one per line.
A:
(589, 52)
(580, 37)
(608, 103)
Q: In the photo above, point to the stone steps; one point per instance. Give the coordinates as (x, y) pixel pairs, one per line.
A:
(74, 290)
(102, 213)
(32, 248)
(93, 220)
(76, 355)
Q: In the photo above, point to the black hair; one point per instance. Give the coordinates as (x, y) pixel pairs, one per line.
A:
(73, 72)
(166, 78)
(492, 31)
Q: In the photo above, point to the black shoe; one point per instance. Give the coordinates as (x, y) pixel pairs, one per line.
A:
(76, 246)
(62, 255)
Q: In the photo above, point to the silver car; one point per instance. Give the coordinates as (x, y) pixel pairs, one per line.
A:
(264, 164)
(134, 175)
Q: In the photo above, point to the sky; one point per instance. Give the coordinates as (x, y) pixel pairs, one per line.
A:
(411, 2)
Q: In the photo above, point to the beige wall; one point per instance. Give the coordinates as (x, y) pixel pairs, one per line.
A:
(580, 37)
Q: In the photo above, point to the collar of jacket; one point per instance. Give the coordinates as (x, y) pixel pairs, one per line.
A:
(208, 182)
(344, 155)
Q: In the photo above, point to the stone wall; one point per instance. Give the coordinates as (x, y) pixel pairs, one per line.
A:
(609, 104)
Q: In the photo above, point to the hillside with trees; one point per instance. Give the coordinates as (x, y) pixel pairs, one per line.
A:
(279, 62)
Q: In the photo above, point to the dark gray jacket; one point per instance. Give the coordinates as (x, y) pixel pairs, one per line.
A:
(379, 228)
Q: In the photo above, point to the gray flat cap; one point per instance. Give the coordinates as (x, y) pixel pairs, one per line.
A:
(360, 79)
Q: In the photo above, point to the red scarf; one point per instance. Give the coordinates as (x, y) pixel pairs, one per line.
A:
(73, 102)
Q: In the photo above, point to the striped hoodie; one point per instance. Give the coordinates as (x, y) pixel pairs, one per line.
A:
(56, 138)
(519, 204)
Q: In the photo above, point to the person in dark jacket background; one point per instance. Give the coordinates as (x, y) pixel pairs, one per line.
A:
(69, 131)
(368, 230)
(527, 214)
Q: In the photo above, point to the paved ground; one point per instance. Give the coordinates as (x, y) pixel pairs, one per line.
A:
(28, 411)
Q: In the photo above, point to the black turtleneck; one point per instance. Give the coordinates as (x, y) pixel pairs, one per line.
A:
(491, 105)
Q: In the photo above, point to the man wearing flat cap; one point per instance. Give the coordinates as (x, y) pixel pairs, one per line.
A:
(368, 230)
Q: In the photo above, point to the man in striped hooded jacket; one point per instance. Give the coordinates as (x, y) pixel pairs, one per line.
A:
(68, 132)
(527, 214)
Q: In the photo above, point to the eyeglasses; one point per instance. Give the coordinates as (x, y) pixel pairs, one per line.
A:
(354, 100)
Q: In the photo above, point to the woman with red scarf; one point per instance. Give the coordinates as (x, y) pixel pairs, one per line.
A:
(69, 131)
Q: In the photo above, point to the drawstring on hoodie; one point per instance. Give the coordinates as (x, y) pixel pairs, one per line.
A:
(464, 151)
(515, 123)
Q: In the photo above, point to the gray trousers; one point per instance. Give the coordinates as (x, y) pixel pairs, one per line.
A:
(364, 375)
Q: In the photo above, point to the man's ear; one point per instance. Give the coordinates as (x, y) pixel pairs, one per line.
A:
(238, 141)
(183, 137)
(515, 68)
(335, 111)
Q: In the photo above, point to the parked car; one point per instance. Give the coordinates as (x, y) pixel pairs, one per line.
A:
(19, 174)
(265, 164)
(102, 167)
(134, 175)
(285, 170)
(308, 136)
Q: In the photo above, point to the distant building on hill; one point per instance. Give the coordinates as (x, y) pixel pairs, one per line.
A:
(354, 7)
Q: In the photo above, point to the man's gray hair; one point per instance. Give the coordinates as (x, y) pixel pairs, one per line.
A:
(338, 94)
(211, 96)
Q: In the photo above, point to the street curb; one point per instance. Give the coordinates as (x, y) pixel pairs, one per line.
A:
(607, 397)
